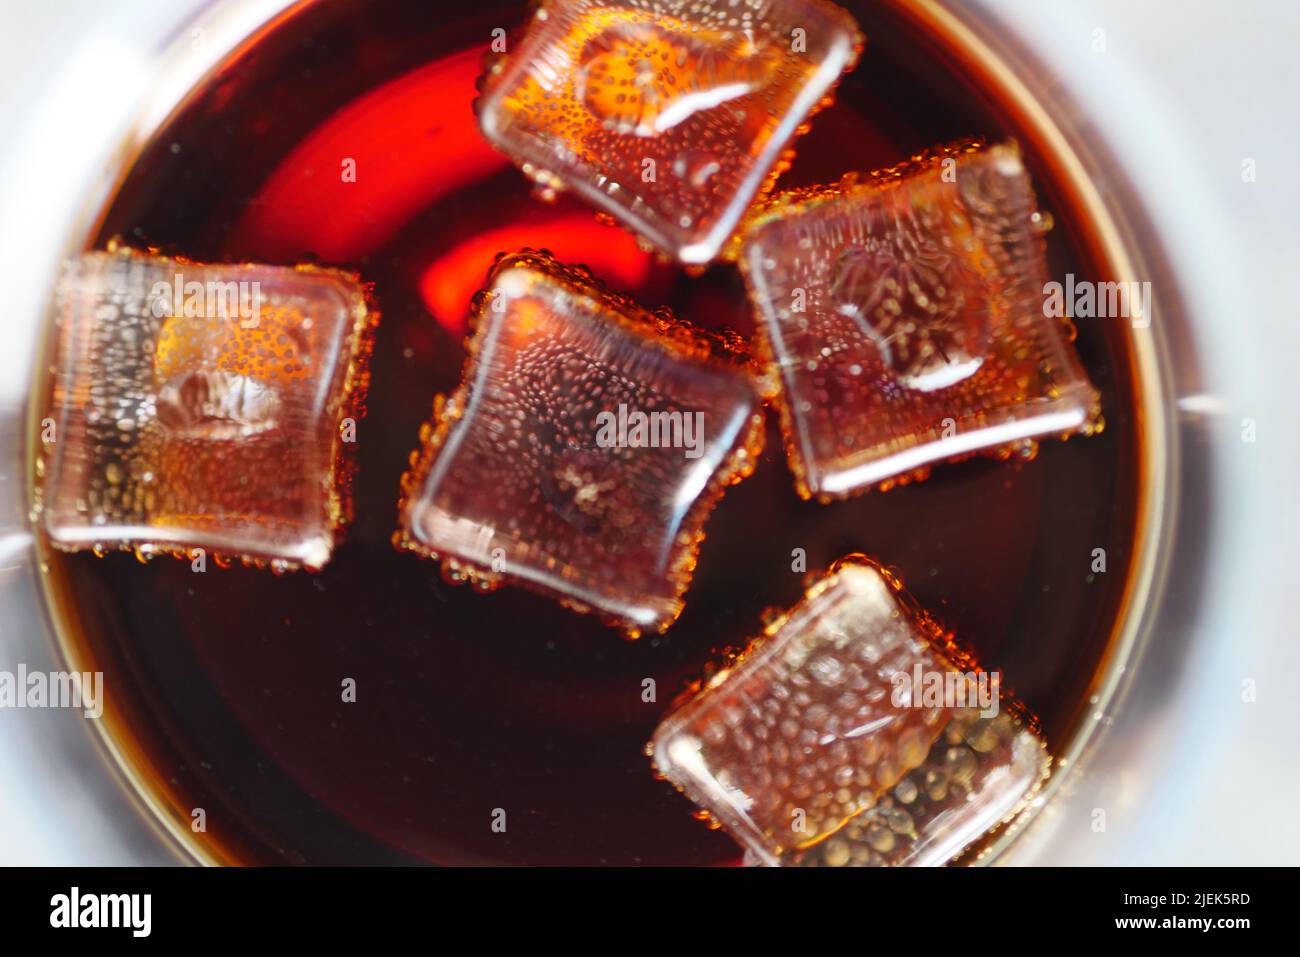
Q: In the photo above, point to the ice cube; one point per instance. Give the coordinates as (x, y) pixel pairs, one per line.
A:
(820, 735)
(584, 449)
(905, 315)
(670, 115)
(203, 406)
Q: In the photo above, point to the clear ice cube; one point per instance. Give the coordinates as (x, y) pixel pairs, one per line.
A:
(670, 115)
(584, 449)
(803, 749)
(202, 406)
(904, 314)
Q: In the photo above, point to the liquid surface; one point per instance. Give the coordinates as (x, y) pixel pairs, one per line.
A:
(224, 688)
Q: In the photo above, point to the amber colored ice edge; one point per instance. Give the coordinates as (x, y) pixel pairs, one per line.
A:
(672, 335)
(943, 643)
(805, 199)
(348, 401)
(494, 65)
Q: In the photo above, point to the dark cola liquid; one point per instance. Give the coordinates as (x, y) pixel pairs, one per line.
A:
(224, 688)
